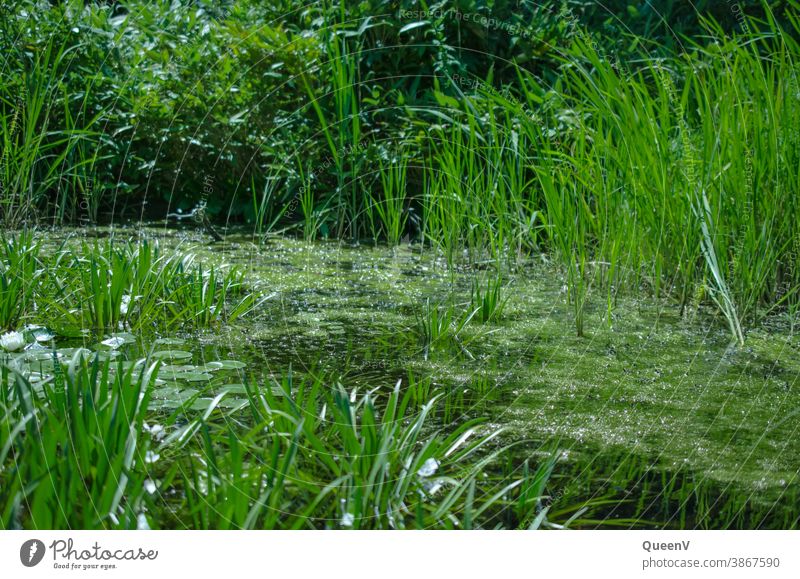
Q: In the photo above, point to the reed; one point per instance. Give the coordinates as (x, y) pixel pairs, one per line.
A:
(73, 451)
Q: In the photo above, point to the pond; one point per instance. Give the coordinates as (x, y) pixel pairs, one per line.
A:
(653, 418)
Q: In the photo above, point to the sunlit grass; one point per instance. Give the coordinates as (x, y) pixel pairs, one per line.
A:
(20, 271)
(305, 455)
(72, 451)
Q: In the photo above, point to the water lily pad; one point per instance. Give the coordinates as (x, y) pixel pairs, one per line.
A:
(128, 364)
(194, 376)
(42, 334)
(171, 397)
(38, 355)
(172, 355)
(35, 377)
(230, 364)
(109, 355)
(170, 341)
(178, 368)
(68, 353)
(229, 403)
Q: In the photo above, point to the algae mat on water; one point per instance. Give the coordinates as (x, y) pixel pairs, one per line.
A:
(648, 387)
(653, 382)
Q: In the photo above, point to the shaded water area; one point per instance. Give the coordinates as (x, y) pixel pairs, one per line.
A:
(655, 419)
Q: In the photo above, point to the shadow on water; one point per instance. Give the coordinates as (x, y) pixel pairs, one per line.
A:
(605, 488)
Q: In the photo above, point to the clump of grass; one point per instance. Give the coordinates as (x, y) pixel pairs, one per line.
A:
(123, 285)
(490, 302)
(318, 457)
(201, 297)
(677, 181)
(72, 452)
(42, 150)
(20, 270)
(302, 455)
(664, 178)
(439, 325)
(238, 485)
(342, 128)
(390, 206)
(106, 279)
(110, 285)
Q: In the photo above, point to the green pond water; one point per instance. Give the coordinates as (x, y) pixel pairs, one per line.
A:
(637, 411)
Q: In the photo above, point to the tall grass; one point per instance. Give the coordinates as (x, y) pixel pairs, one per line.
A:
(73, 453)
(699, 169)
(390, 206)
(76, 453)
(20, 272)
(342, 127)
(490, 302)
(115, 284)
(440, 325)
(205, 297)
(44, 144)
(676, 177)
(320, 457)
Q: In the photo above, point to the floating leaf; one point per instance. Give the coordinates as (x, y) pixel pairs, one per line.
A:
(166, 368)
(170, 341)
(195, 376)
(230, 364)
(172, 355)
(113, 343)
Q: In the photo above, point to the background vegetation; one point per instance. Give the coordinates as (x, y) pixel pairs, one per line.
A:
(647, 146)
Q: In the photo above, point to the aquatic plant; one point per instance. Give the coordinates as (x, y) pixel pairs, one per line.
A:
(390, 205)
(321, 457)
(203, 297)
(106, 280)
(491, 302)
(20, 273)
(12, 341)
(41, 148)
(134, 284)
(73, 452)
(439, 325)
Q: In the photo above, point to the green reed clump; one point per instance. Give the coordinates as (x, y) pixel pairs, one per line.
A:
(202, 297)
(672, 176)
(439, 325)
(114, 285)
(45, 145)
(106, 278)
(111, 285)
(72, 453)
(238, 485)
(390, 206)
(318, 457)
(342, 127)
(488, 302)
(20, 272)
